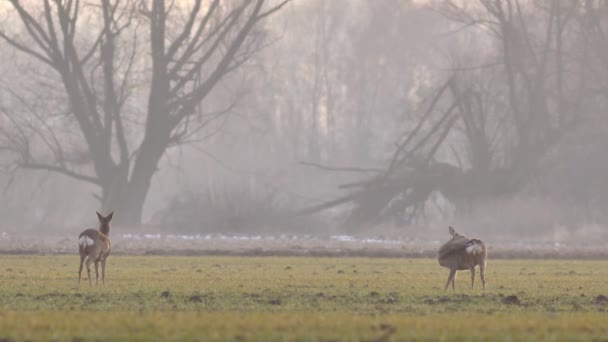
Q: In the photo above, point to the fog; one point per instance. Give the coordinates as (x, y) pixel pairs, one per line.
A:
(305, 124)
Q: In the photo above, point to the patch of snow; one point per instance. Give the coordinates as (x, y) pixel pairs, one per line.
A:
(277, 238)
(382, 241)
(342, 238)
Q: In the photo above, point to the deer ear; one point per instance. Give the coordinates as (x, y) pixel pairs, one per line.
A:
(452, 231)
(99, 216)
(109, 217)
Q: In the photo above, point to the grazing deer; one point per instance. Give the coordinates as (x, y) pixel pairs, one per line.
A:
(94, 245)
(462, 253)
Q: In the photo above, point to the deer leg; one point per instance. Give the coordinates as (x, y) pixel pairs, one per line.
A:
(450, 279)
(80, 268)
(97, 272)
(482, 273)
(103, 272)
(88, 263)
(473, 277)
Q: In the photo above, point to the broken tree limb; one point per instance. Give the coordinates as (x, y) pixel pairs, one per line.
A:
(339, 168)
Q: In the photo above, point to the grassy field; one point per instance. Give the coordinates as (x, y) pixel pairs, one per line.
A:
(267, 298)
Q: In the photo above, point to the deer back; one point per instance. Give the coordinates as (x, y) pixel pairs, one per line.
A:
(93, 242)
(462, 253)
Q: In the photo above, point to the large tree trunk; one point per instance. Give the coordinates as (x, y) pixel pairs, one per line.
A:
(133, 201)
(153, 146)
(126, 197)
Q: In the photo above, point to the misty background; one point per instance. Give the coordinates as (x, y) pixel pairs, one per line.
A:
(306, 117)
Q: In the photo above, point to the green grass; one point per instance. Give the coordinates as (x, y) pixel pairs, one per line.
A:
(266, 298)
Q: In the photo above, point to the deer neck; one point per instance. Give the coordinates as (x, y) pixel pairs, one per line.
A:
(105, 229)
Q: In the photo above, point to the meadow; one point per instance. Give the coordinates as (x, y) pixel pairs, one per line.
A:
(300, 298)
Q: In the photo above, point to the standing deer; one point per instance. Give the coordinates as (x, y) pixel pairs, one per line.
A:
(462, 253)
(94, 245)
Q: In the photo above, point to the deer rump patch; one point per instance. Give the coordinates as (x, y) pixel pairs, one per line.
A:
(85, 241)
(474, 247)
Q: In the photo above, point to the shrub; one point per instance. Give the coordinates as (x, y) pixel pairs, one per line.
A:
(235, 210)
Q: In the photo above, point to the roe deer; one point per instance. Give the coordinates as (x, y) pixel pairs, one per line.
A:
(462, 253)
(94, 245)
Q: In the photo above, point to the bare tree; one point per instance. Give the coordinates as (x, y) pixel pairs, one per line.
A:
(190, 50)
(510, 111)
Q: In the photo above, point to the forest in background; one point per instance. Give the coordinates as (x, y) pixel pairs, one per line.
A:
(306, 116)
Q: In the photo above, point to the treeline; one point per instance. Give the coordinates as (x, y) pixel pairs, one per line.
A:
(265, 115)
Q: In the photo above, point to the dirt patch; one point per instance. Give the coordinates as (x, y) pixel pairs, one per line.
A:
(601, 300)
(49, 296)
(195, 299)
(511, 300)
(276, 301)
(439, 300)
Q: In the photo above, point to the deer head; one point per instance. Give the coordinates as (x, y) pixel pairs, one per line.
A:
(104, 222)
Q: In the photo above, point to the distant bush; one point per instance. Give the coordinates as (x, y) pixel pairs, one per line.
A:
(235, 210)
(532, 217)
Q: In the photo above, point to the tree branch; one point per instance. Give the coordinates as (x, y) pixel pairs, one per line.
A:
(61, 170)
(345, 169)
